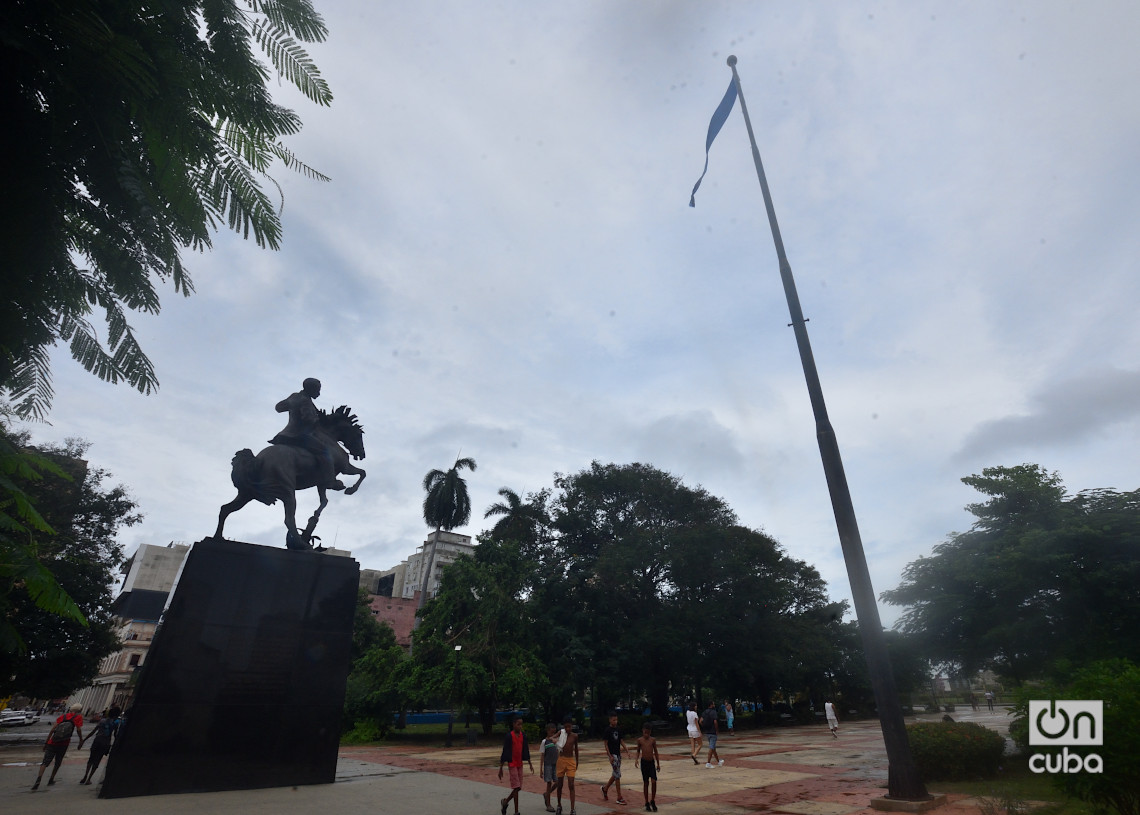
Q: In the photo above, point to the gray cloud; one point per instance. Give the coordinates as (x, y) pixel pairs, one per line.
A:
(1062, 413)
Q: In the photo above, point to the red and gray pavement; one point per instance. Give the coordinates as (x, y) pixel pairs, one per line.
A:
(793, 770)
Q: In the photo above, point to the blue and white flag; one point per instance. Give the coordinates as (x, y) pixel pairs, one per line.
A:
(719, 117)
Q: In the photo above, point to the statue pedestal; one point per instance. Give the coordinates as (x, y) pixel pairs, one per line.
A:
(243, 686)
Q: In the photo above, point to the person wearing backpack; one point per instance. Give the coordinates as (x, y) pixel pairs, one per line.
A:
(58, 740)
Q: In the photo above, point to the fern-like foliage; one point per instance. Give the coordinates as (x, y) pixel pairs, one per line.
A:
(292, 62)
(141, 128)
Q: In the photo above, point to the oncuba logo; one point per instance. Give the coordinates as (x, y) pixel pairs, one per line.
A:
(1064, 724)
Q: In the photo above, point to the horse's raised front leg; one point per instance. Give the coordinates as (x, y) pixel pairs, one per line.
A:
(350, 470)
(228, 509)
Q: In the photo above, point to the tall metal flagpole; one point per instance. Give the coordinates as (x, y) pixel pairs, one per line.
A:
(904, 781)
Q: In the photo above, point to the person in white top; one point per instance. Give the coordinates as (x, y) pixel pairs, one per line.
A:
(832, 719)
(693, 728)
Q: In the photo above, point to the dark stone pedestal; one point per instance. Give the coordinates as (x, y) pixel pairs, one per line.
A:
(244, 683)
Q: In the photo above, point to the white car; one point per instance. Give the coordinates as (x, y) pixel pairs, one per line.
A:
(17, 718)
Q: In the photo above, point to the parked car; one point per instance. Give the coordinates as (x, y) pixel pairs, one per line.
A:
(18, 718)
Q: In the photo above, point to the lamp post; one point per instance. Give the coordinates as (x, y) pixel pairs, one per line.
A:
(454, 690)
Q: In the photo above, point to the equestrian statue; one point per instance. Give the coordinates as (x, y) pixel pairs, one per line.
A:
(307, 453)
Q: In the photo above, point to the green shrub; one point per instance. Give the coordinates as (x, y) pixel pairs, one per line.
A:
(955, 751)
(365, 732)
(1116, 683)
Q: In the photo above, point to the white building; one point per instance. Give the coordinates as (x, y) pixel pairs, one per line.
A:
(407, 577)
(150, 575)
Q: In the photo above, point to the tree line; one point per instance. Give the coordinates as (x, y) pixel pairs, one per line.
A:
(1041, 582)
(622, 585)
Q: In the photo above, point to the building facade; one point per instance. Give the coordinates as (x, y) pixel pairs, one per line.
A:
(150, 574)
(396, 591)
(448, 547)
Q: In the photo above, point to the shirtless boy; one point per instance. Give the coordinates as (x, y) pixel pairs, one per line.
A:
(567, 763)
(650, 762)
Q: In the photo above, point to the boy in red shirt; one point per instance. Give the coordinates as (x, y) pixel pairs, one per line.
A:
(516, 750)
(58, 740)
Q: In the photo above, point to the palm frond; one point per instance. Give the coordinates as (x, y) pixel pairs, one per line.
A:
(134, 366)
(293, 163)
(123, 360)
(46, 592)
(29, 386)
(297, 16)
(244, 204)
(87, 351)
(292, 61)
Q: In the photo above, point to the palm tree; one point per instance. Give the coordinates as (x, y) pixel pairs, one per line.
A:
(518, 518)
(446, 506)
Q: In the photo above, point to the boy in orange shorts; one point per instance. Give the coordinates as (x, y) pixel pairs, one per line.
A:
(567, 763)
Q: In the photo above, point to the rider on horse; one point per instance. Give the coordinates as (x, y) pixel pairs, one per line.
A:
(301, 431)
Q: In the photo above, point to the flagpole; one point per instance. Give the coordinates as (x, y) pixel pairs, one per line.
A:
(903, 779)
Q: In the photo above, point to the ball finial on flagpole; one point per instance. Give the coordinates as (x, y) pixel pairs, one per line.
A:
(731, 60)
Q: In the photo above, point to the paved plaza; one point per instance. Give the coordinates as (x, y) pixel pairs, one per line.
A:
(795, 770)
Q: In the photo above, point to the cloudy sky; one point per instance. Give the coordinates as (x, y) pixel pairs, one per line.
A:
(504, 266)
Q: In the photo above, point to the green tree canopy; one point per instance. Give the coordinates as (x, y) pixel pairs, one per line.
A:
(372, 693)
(63, 653)
(20, 523)
(518, 519)
(482, 608)
(1041, 577)
(131, 131)
(624, 582)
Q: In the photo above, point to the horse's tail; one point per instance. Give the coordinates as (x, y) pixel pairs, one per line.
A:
(244, 473)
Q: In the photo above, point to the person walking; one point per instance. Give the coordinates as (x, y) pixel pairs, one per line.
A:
(650, 762)
(549, 750)
(613, 746)
(709, 725)
(102, 734)
(728, 715)
(567, 766)
(59, 737)
(832, 719)
(693, 728)
(515, 752)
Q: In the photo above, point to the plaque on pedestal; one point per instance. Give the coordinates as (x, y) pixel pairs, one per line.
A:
(244, 684)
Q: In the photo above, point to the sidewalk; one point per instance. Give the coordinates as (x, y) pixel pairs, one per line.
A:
(794, 770)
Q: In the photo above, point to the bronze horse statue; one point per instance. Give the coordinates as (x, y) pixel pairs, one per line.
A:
(278, 471)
